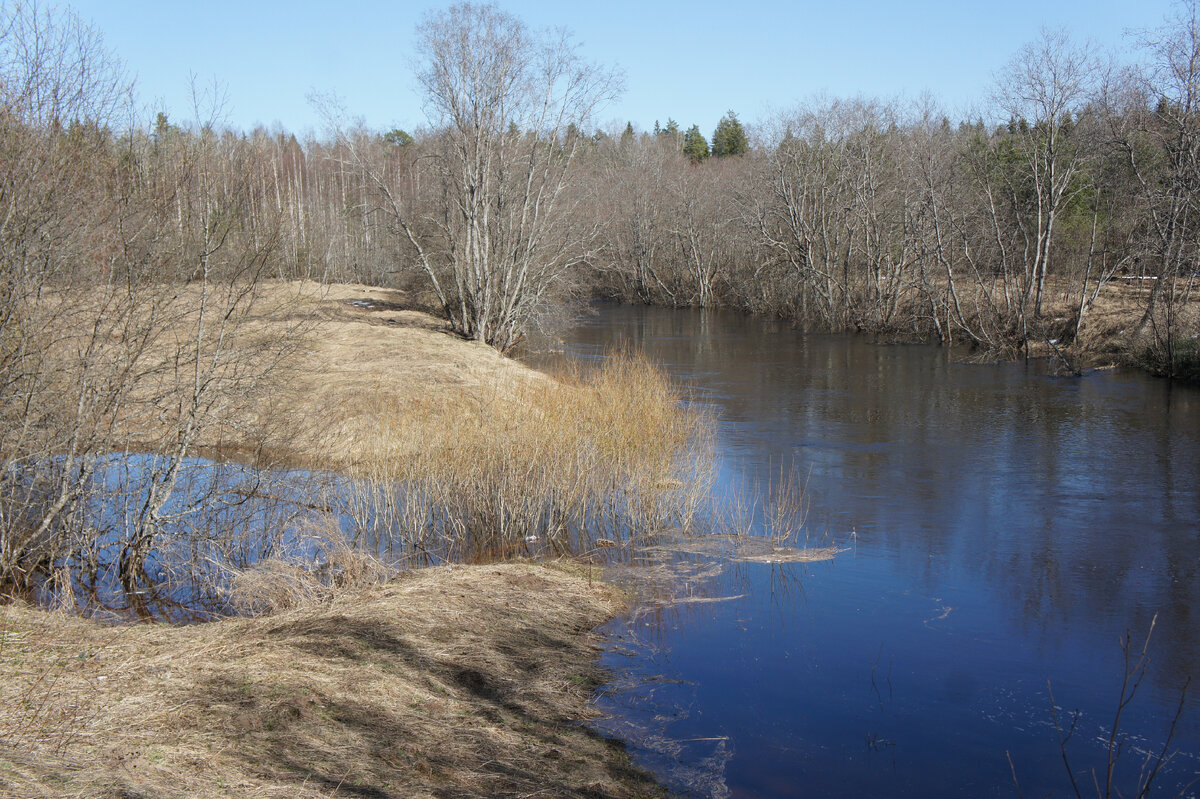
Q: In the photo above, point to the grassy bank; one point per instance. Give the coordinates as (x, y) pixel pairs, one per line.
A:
(452, 451)
(455, 681)
(449, 681)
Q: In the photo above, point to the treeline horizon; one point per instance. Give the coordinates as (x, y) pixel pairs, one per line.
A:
(839, 214)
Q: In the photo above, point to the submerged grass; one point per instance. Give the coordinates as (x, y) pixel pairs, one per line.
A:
(348, 676)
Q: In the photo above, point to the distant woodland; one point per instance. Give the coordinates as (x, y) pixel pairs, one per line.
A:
(841, 214)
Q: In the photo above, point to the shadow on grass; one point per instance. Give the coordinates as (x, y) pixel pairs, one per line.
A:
(499, 724)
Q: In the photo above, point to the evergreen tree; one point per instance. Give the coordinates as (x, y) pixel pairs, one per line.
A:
(398, 137)
(694, 145)
(729, 138)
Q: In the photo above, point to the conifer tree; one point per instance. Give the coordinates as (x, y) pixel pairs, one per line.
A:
(695, 146)
(729, 138)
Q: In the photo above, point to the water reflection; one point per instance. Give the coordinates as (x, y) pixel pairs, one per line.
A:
(1006, 528)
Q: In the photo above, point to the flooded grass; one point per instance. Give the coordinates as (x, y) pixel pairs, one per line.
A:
(549, 465)
(391, 438)
(345, 671)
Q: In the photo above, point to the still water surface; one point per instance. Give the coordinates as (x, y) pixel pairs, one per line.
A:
(1003, 528)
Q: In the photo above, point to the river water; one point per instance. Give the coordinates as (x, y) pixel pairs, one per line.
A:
(1002, 529)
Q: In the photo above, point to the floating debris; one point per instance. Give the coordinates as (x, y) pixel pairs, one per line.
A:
(743, 549)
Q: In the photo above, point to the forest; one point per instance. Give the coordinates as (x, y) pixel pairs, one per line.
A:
(841, 213)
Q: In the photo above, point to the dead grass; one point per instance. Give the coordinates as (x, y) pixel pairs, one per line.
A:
(330, 565)
(530, 464)
(359, 346)
(1107, 337)
(453, 681)
(742, 549)
(456, 681)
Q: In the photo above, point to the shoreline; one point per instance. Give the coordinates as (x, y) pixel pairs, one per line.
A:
(1101, 346)
(457, 680)
(453, 680)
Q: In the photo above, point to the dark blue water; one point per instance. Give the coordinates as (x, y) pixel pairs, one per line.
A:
(1004, 528)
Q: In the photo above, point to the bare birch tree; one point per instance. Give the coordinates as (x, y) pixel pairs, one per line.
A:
(1043, 90)
(505, 104)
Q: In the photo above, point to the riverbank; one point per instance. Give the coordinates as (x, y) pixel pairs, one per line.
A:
(1111, 333)
(449, 681)
(356, 353)
(453, 681)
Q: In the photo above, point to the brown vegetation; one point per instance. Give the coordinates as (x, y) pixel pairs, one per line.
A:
(355, 349)
(457, 681)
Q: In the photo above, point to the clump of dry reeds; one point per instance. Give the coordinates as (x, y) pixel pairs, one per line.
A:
(555, 463)
(317, 567)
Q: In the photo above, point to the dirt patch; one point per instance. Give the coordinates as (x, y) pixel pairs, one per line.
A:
(455, 681)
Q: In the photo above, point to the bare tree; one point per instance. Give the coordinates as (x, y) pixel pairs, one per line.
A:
(128, 268)
(1154, 114)
(500, 235)
(1043, 90)
(60, 385)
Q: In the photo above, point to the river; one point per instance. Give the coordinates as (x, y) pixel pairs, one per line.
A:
(1003, 528)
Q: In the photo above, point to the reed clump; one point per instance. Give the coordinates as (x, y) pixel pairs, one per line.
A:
(542, 463)
(321, 566)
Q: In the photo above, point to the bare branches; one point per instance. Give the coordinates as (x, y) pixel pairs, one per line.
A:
(128, 270)
(1106, 783)
(486, 206)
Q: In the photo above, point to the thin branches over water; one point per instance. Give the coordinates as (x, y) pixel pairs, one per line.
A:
(1105, 782)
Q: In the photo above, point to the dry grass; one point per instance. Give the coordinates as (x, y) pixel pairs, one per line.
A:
(456, 681)
(444, 449)
(532, 464)
(330, 565)
(741, 548)
(1107, 336)
(358, 343)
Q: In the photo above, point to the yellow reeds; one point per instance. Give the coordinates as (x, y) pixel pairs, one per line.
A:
(554, 461)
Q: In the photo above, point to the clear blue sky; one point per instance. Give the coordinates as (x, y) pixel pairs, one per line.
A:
(687, 60)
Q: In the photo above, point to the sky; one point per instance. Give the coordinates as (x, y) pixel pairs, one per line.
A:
(688, 61)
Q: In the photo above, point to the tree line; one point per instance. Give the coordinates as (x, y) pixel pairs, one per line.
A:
(1075, 187)
(861, 214)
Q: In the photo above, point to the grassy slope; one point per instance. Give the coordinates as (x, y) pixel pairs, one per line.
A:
(358, 347)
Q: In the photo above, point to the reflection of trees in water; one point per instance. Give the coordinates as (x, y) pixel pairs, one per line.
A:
(1076, 499)
(218, 519)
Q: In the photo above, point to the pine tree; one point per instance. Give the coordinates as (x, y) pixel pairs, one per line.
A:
(398, 137)
(729, 138)
(694, 145)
